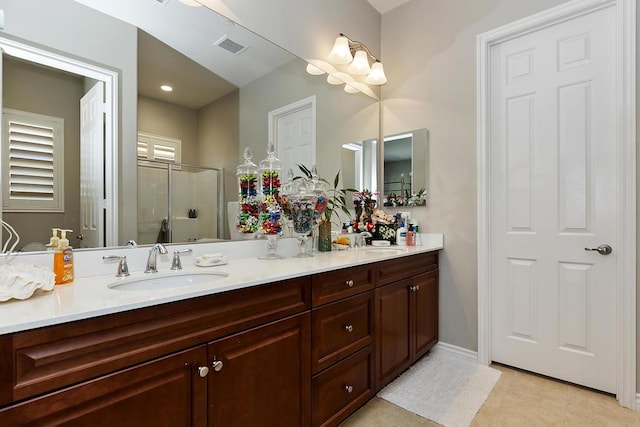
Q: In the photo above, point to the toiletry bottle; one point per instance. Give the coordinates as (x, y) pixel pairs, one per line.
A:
(54, 240)
(416, 228)
(411, 236)
(63, 260)
(402, 234)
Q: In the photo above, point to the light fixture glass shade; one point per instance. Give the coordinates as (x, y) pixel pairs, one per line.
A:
(350, 89)
(360, 65)
(376, 76)
(341, 54)
(313, 70)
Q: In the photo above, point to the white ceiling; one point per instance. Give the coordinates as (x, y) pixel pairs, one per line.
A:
(383, 6)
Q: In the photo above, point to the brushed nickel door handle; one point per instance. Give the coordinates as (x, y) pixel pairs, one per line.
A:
(602, 249)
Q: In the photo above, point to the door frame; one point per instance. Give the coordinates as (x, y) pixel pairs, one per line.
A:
(275, 115)
(626, 182)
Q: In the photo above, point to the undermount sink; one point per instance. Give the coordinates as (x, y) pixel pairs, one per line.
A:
(166, 281)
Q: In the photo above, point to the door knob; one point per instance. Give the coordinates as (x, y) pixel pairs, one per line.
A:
(602, 249)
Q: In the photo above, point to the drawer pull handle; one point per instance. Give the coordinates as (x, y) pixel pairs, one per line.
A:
(348, 328)
(203, 371)
(350, 283)
(348, 388)
(217, 365)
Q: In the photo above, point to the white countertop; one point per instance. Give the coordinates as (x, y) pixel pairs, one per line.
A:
(89, 296)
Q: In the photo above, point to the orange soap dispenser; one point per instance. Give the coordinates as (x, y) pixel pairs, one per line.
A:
(63, 260)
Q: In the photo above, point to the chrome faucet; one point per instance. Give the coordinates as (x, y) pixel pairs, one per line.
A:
(153, 253)
(361, 238)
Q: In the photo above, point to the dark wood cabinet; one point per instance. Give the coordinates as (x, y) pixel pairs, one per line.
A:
(406, 323)
(167, 392)
(305, 351)
(262, 377)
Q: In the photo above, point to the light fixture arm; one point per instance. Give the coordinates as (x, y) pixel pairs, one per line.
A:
(355, 45)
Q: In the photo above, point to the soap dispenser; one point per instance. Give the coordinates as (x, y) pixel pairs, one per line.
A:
(63, 260)
(54, 240)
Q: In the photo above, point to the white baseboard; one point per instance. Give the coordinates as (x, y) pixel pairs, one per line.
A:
(454, 349)
(637, 408)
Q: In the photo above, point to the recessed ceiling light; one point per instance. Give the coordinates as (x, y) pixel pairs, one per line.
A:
(190, 2)
(166, 88)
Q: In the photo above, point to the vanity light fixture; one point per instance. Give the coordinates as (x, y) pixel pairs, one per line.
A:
(166, 88)
(357, 54)
(348, 64)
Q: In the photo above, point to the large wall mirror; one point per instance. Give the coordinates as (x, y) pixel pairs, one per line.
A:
(226, 80)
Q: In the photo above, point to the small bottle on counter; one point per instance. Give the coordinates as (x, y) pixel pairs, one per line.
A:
(411, 236)
(416, 229)
(63, 260)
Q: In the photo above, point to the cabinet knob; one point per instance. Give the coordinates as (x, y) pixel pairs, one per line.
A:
(217, 365)
(349, 283)
(348, 388)
(203, 371)
(348, 328)
(417, 288)
(412, 288)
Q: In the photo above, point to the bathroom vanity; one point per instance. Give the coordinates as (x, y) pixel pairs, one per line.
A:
(304, 344)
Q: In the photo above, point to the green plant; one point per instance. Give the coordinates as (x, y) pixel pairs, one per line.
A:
(336, 197)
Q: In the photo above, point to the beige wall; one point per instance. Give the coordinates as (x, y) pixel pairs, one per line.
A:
(39, 90)
(164, 119)
(429, 49)
(218, 136)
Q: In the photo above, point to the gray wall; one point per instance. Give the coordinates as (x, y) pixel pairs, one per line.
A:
(35, 89)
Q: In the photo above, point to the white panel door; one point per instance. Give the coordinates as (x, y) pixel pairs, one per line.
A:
(295, 142)
(553, 186)
(92, 167)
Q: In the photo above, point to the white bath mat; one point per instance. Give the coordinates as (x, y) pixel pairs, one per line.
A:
(443, 387)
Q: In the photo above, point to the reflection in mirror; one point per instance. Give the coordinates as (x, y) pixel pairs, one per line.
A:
(405, 168)
(257, 80)
(359, 163)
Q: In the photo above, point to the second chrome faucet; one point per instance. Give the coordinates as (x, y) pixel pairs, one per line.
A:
(153, 254)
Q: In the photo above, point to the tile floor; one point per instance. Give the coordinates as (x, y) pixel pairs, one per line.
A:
(518, 399)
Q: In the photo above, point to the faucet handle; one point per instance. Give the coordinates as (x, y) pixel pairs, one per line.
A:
(176, 264)
(123, 268)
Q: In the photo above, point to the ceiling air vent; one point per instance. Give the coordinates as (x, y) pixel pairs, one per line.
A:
(227, 44)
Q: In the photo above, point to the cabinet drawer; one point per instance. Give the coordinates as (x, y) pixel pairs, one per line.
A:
(340, 390)
(334, 285)
(402, 268)
(48, 358)
(340, 328)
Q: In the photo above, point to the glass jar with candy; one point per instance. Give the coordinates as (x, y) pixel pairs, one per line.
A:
(249, 204)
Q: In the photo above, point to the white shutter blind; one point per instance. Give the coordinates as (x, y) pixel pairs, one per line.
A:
(32, 162)
(154, 147)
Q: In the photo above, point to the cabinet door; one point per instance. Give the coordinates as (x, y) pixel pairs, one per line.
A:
(165, 392)
(425, 305)
(393, 346)
(262, 377)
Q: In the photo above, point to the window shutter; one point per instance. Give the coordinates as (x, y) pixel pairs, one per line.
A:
(153, 147)
(32, 162)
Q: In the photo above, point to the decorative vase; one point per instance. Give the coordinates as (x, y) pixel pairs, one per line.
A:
(324, 236)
